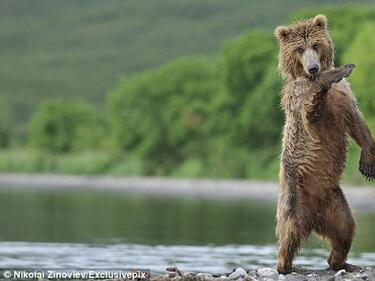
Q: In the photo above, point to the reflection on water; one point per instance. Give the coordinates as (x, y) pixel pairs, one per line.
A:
(92, 216)
(109, 229)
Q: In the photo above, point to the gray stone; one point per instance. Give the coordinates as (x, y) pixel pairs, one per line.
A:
(204, 276)
(340, 272)
(189, 275)
(172, 274)
(267, 272)
(250, 278)
(238, 274)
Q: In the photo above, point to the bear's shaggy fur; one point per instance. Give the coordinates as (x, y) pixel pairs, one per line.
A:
(320, 113)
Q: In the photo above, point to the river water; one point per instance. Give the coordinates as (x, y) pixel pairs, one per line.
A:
(97, 229)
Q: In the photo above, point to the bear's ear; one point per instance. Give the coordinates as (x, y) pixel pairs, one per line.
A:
(320, 21)
(282, 33)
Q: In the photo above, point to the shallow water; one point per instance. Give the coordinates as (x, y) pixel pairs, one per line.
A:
(96, 229)
(216, 259)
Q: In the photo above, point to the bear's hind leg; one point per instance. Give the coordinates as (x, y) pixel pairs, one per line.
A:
(290, 235)
(340, 246)
(338, 227)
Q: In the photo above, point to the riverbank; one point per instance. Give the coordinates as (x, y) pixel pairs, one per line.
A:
(360, 198)
(239, 274)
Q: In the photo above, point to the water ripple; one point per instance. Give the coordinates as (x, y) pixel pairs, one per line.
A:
(156, 258)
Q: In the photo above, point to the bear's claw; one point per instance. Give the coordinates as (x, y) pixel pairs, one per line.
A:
(347, 69)
(367, 168)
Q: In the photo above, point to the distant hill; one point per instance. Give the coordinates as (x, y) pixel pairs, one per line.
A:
(80, 48)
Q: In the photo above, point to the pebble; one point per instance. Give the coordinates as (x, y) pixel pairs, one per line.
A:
(172, 274)
(362, 274)
(267, 272)
(340, 272)
(239, 274)
(312, 276)
(204, 276)
(188, 275)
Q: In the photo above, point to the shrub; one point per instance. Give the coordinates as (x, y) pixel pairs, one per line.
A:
(63, 125)
(162, 114)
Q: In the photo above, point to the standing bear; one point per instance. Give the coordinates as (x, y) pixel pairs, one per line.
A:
(320, 113)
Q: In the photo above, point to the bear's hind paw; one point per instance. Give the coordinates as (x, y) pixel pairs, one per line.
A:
(351, 267)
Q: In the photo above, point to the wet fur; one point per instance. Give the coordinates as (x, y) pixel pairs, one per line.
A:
(319, 116)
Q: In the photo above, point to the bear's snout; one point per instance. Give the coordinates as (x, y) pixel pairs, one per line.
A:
(313, 69)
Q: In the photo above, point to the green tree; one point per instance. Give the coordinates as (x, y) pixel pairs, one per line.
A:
(63, 125)
(244, 61)
(162, 115)
(249, 104)
(248, 117)
(361, 52)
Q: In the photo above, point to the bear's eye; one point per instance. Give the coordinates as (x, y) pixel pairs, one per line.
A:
(315, 46)
(300, 50)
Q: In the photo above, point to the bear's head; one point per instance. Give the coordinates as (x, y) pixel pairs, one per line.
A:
(305, 48)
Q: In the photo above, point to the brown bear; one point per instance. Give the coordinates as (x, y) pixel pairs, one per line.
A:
(320, 113)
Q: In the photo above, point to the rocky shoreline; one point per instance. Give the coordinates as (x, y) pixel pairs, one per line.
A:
(261, 274)
(267, 274)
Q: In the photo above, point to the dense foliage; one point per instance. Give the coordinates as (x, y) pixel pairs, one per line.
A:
(190, 117)
(163, 115)
(248, 75)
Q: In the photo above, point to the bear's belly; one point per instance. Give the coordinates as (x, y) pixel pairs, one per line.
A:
(313, 160)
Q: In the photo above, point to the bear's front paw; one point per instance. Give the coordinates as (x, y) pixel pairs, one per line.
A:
(367, 166)
(327, 78)
(339, 73)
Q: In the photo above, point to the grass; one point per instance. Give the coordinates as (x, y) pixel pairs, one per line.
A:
(88, 163)
(262, 166)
